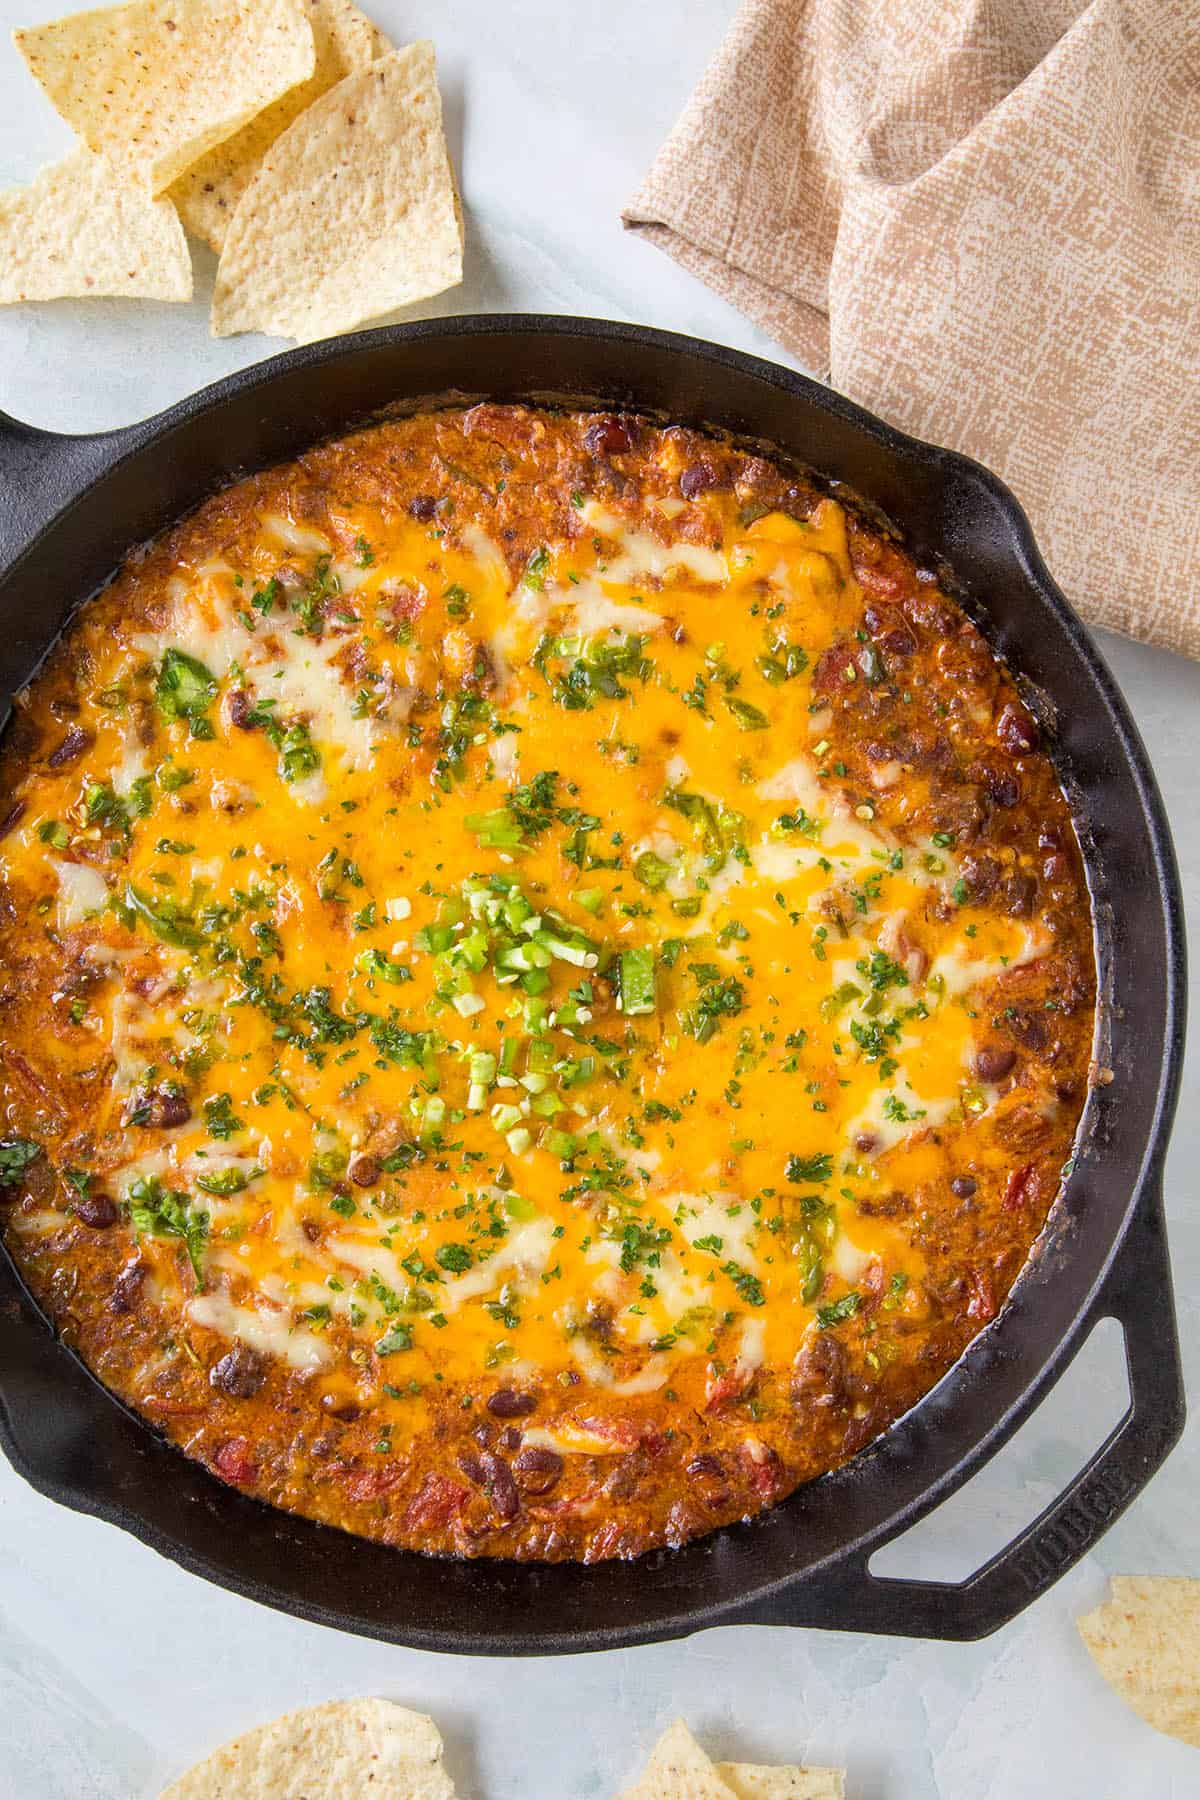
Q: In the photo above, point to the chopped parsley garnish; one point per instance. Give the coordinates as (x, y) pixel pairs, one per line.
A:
(810, 1168)
(839, 1310)
(156, 1211)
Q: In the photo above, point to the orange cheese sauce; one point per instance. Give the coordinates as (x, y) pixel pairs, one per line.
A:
(492, 969)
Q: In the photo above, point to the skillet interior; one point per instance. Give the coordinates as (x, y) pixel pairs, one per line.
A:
(805, 1561)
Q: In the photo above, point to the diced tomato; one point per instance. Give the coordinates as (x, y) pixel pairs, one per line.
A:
(372, 1484)
(881, 569)
(730, 1385)
(982, 1304)
(234, 1462)
(764, 1468)
(1020, 1187)
(436, 1503)
(830, 675)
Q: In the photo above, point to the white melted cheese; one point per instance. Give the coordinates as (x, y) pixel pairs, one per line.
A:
(934, 1109)
(523, 1255)
(297, 672)
(296, 537)
(132, 765)
(961, 972)
(711, 1217)
(82, 891)
(846, 1260)
(752, 1347)
(592, 612)
(261, 1328)
(305, 682)
(641, 554)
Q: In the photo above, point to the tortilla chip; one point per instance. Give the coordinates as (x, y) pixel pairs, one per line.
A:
(351, 214)
(764, 1781)
(207, 196)
(1146, 1643)
(78, 231)
(349, 1747)
(678, 1770)
(156, 84)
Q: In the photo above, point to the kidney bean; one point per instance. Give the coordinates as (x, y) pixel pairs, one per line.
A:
(1016, 730)
(610, 437)
(240, 1373)
(510, 1439)
(97, 1210)
(422, 508)
(992, 1063)
(963, 1187)
(171, 1109)
(74, 744)
(538, 1469)
(471, 1467)
(499, 1485)
(14, 814)
(364, 1171)
(508, 1403)
(127, 1287)
(697, 480)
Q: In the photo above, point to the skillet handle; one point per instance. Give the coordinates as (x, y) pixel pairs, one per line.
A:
(40, 473)
(847, 1596)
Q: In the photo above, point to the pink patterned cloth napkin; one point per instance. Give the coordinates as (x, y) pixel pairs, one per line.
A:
(981, 219)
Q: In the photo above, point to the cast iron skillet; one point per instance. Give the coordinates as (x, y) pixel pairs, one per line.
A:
(70, 508)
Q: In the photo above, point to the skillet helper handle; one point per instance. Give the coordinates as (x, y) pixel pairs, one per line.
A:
(849, 1597)
(41, 472)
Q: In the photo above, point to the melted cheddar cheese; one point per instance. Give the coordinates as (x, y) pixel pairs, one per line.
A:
(491, 956)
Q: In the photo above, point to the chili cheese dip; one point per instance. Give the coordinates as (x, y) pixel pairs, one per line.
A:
(547, 984)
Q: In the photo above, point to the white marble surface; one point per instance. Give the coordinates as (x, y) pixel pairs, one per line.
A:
(116, 1669)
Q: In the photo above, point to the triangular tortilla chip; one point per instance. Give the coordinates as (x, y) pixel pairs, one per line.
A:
(154, 85)
(78, 231)
(1146, 1644)
(350, 1747)
(678, 1770)
(351, 214)
(207, 196)
(783, 1781)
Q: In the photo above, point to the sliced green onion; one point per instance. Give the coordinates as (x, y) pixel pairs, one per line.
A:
(637, 981)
